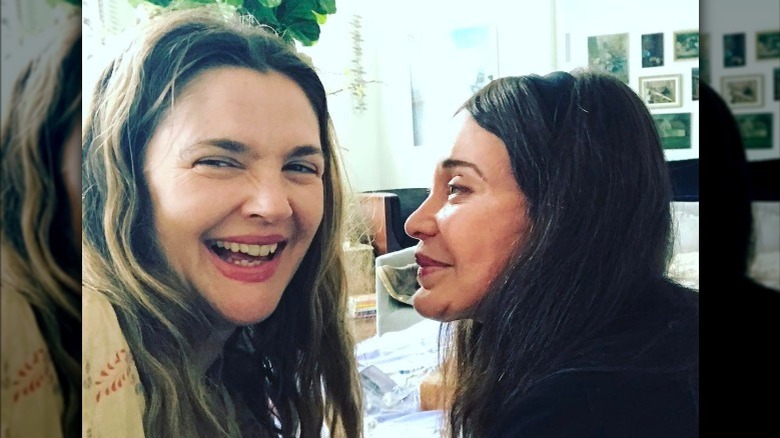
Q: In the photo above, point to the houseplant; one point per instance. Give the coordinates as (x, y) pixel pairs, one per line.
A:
(293, 20)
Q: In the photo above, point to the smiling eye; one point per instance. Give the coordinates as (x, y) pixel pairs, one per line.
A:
(301, 168)
(216, 163)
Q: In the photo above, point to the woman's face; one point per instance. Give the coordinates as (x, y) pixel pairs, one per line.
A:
(235, 171)
(468, 226)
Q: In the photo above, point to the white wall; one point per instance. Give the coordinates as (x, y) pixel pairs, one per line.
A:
(578, 20)
(720, 17)
(379, 143)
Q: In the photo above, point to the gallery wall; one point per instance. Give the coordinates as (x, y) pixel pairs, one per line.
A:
(724, 22)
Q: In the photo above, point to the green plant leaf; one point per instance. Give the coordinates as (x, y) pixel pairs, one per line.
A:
(235, 3)
(270, 3)
(325, 7)
(261, 13)
(307, 32)
(321, 19)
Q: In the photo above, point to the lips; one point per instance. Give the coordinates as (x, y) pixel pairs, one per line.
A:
(249, 259)
(428, 265)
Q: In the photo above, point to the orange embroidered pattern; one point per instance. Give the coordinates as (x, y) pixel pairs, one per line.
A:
(32, 375)
(115, 375)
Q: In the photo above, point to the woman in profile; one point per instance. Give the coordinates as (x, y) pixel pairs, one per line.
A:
(41, 223)
(214, 299)
(565, 321)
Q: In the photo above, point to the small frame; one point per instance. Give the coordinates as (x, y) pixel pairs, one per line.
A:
(734, 50)
(686, 45)
(768, 45)
(609, 53)
(756, 130)
(695, 83)
(653, 50)
(661, 91)
(742, 91)
(777, 83)
(674, 130)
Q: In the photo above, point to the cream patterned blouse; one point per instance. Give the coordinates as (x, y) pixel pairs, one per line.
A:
(112, 395)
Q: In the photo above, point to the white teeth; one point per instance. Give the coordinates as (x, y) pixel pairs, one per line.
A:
(253, 250)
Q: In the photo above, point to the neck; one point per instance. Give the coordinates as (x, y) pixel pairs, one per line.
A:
(212, 347)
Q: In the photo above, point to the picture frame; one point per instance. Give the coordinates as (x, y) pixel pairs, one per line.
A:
(776, 75)
(609, 54)
(734, 50)
(653, 50)
(695, 83)
(743, 91)
(663, 91)
(674, 130)
(755, 130)
(768, 45)
(686, 45)
(704, 58)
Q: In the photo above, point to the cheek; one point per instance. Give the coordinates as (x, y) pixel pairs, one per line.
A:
(309, 207)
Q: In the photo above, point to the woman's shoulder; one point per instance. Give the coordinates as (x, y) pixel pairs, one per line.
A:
(112, 395)
(603, 403)
(31, 398)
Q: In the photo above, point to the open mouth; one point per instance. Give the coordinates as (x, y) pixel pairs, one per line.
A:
(247, 255)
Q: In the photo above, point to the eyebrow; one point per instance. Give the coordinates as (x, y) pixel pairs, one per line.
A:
(449, 163)
(238, 147)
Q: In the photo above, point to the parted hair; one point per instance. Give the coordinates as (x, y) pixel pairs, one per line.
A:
(295, 370)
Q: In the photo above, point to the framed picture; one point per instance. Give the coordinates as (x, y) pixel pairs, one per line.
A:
(674, 130)
(756, 130)
(653, 50)
(661, 91)
(695, 83)
(768, 44)
(734, 50)
(777, 83)
(609, 53)
(686, 45)
(742, 91)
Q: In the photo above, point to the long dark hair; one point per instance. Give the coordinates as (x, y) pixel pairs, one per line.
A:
(300, 358)
(585, 152)
(40, 258)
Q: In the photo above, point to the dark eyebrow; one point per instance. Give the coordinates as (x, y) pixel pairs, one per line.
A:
(306, 150)
(222, 143)
(449, 163)
(238, 147)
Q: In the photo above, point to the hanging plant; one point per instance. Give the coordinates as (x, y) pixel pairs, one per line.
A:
(293, 20)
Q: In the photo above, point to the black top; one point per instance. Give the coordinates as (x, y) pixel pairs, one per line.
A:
(640, 378)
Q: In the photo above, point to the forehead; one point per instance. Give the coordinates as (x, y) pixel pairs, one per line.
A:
(476, 145)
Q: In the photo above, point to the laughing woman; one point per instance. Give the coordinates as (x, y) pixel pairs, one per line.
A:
(213, 278)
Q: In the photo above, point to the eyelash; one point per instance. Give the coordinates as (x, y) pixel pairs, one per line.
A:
(215, 163)
(302, 168)
(459, 188)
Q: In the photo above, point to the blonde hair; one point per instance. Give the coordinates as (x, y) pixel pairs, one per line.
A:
(38, 249)
(281, 359)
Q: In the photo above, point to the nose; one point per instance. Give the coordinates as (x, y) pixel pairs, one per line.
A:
(267, 199)
(421, 224)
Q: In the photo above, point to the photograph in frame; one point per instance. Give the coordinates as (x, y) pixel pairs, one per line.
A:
(609, 54)
(674, 130)
(661, 91)
(756, 130)
(734, 50)
(768, 45)
(742, 91)
(695, 83)
(686, 45)
(653, 50)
